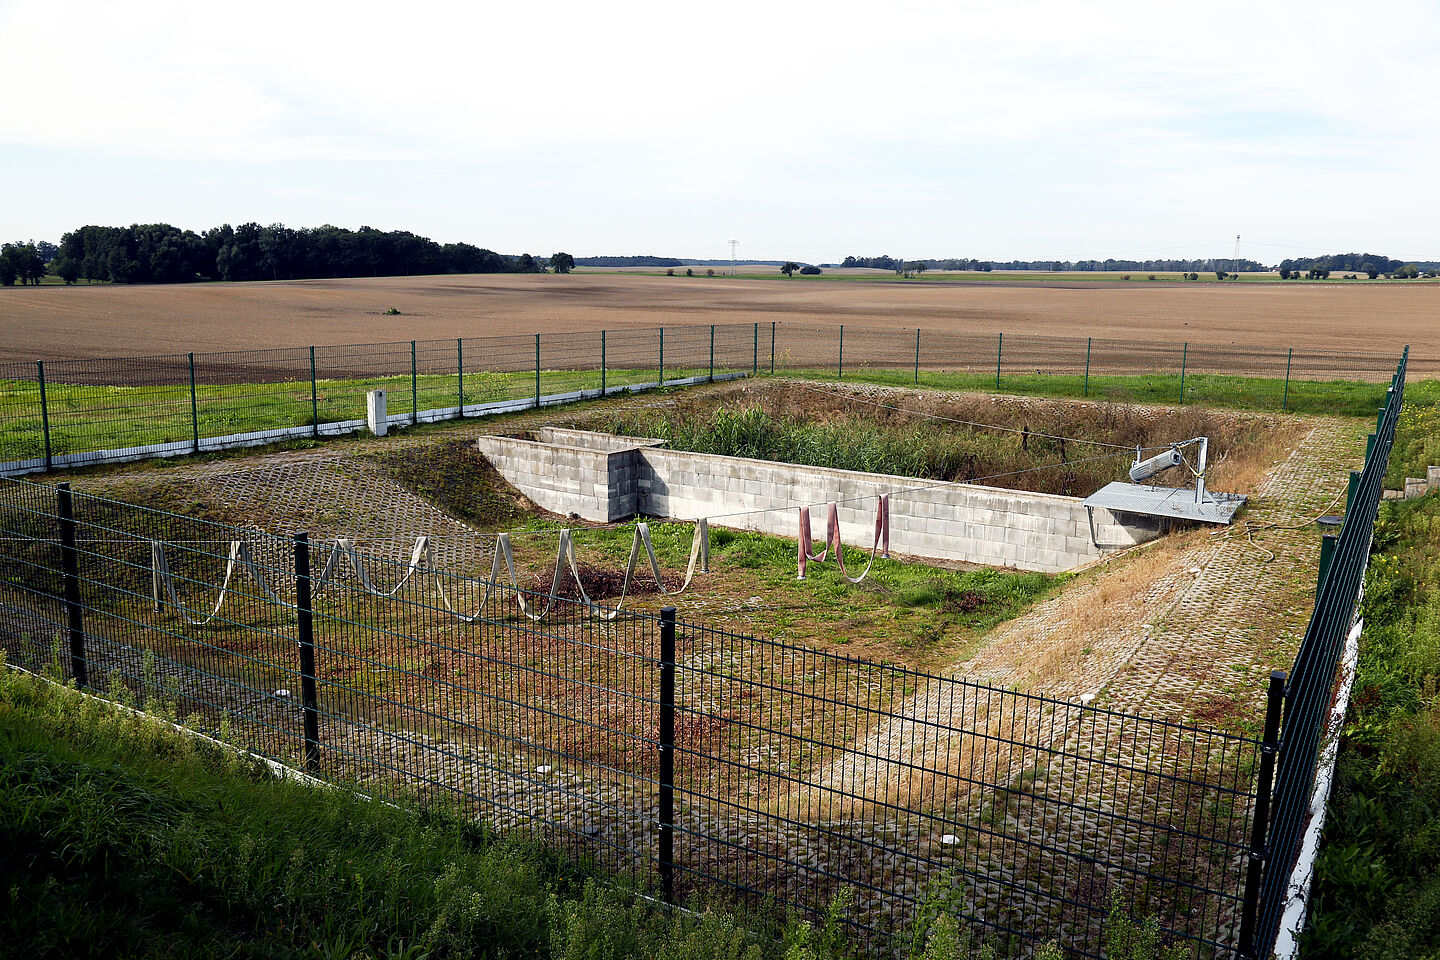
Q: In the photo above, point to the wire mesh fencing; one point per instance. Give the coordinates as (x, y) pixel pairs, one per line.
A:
(702, 765)
(1309, 689)
(1280, 378)
(73, 412)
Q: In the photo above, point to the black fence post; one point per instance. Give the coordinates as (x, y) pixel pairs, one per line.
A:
(314, 399)
(414, 388)
(70, 575)
(1184, 355)
(460, 375)
(840, 363)
(662, 356)
(917, 356)
(1269, 746)
(667, 754)
(602, 363)
(999, 352)
(755, 356)
(194, 407)
(772, 348)
(305, 634)
(537, 371)
(1088, 342)
(712, 353)
(44, 411)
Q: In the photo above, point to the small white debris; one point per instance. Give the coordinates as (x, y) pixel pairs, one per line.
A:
(544, 768)
(282, 692)
(1194, 569)
(1085, 698)
(949, 839)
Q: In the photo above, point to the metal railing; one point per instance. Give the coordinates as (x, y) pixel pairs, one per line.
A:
(695, 762)
(60, 413)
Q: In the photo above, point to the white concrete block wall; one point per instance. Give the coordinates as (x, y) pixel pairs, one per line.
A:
(601, 477)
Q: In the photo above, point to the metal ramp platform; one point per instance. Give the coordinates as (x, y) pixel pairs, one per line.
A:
(1175, 503)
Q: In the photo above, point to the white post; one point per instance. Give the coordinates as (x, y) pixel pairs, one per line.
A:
(375, 412)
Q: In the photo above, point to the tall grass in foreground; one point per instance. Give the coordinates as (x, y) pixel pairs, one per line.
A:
(121, 837)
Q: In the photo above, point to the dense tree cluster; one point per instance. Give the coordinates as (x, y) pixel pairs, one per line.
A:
(1370, 264)
(23, 261)
(161, 253)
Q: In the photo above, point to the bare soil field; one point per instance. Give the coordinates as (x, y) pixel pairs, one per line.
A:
(52, 322)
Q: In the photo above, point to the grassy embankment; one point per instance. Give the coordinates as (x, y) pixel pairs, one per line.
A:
(1377, 892)
(121, 837)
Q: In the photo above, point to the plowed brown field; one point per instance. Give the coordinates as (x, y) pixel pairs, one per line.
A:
(87, 321)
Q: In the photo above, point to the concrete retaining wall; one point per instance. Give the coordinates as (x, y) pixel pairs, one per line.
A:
(601, 477)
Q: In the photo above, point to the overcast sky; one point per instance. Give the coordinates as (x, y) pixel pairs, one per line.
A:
(807, 131)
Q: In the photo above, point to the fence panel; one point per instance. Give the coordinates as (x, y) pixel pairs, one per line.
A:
(242, 391)
(22, 418)
(632, 357)
(801, 773)
(93, 403)
(1312, 678)
(497, 369)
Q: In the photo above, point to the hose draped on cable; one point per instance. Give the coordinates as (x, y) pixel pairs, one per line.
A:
(162, 581)
(343, 551)
(805, 543)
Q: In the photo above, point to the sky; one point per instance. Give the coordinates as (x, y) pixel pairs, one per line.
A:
(1018, 130)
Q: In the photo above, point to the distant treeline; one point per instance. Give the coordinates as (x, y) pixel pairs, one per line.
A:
(1370, 264)
(628, 262)
(962, 263)
(668, 262)
(161, 253)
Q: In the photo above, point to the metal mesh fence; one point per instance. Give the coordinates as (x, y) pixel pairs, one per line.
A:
(1308, 691)
(701, 764)
(80, 411)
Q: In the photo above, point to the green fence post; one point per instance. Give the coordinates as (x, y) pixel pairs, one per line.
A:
(662, 356)
(1350, 488)
(414, 388)
(44, 411)
(1327, 555)
(840, 364)
(1285, 400)
(602, 363)
(712, 353)
(460, 375)
(537, 371)
(999, 352)
(1088, 341)
(314, 399)
(1184, 354)
(1380, 418)
(755, 357)
(917, 356)
(772, 348)
(194, 408)
(1369, 447)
